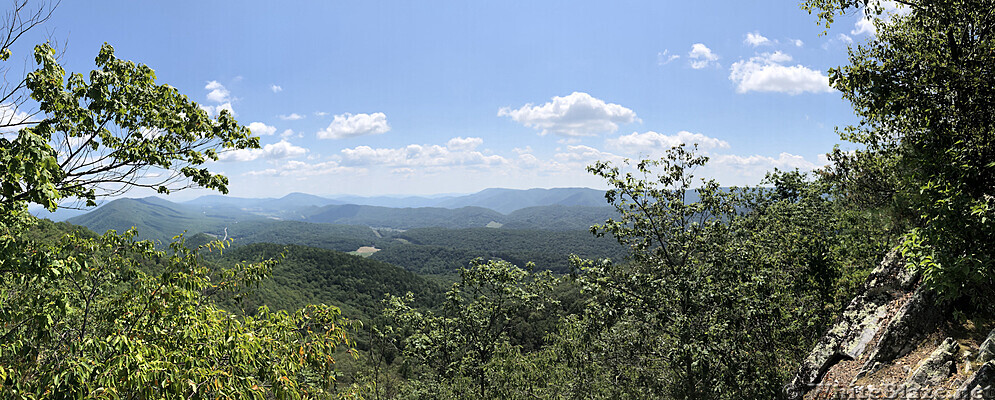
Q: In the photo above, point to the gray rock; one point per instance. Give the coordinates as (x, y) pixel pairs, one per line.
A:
(979, 385)
(907, 329)
(937, 367)
(848, 338)
(987, 350)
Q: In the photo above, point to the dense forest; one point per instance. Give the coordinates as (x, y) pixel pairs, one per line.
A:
(684, 289)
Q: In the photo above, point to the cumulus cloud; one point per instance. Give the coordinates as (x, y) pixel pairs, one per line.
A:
(214, 111)
(756, 39)
(528, 160)
(574, 115)
(291, 117)
(420, 156)
(783, 161)
(276, 88)
(320, 113)
(797, 42)
(738, 170)
(580, 154)
(218, 93)
(275, 151)
(464, 144)
(766, 73)
(522, 150)
(298, 169)
(777, 57)
(701, 56)
(261, 129)
(11, 117)
(889, 9)
(664, 57)
(649, 142)
(348, 125)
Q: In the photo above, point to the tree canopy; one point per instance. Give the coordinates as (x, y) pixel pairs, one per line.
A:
(88, 316)
(924, 88)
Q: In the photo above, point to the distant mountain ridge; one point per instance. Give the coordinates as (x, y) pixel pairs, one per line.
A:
(509, 200)
(156, 218)
(498, 199)
(543, 209)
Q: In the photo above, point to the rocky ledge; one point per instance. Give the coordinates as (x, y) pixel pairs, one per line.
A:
(894, 340)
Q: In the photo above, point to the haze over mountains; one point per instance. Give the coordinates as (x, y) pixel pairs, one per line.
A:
(420, 234)
(543, 209)
(497, 199)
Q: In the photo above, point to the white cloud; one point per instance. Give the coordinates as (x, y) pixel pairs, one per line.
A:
(320, 113)
(585, 155)
(214, 111)
(276, 88)
(528, 160)
(845, 38)
(287, 133)
(797, 42)
(757, 162)
(464, 144)
(701, 56)
(348, 125)
(299, 169)
(738, 170)
(291, 117)
(653, 142)
(756, 39)
(10, 117)
(261, 129)
(765, 73)
(275, 151)
(888, 8)
(864, 25)
(218, 93)
(577, 114)
(664, 58)
(522, 150)
(421, 156)
(777, 57)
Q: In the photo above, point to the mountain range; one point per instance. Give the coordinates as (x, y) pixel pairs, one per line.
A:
(543, 209)
(497, 199)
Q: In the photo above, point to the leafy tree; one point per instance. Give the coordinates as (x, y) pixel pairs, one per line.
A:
(23, 17)
(924, 88)
(86, 316)
(109, 317)
(722, 295)
(457, 347)
(672, 318)
(102, 137)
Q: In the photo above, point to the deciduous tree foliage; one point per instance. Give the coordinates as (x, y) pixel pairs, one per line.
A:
(109, 317)
(720, 298)
(924, 87)
(457, 347)
(85, 316)
(104, 136)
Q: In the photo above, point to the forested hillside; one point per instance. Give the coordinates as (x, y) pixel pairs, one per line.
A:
(441, 251)
(160, 219)
(156, 219)
(307, 275)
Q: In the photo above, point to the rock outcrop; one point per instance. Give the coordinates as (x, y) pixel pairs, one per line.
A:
(894, 340)
(860, 323)
(936, 368)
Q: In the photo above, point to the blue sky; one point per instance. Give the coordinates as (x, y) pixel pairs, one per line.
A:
(428, 97)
